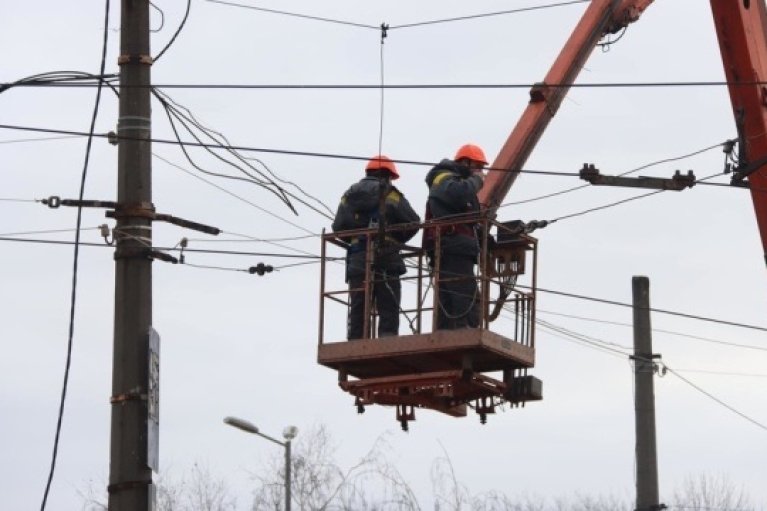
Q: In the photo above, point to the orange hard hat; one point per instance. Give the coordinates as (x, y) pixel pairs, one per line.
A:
(381, 162)
(471, 152)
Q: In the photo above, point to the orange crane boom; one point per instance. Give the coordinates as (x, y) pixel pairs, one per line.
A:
(741, 26)
(602, 17)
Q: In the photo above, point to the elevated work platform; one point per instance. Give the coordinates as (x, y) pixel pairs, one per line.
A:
(478, 350)
(450, 371)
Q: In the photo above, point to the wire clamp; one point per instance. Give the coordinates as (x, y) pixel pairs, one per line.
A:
(53, 202)
(135, 59)
(384, 31)
(261, 269)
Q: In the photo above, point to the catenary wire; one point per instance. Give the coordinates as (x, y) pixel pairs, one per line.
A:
(267, 150)
(178, 31)
(489, 14)
(401, 86)
(405, 25)
(294, 15)
(73, 298)
(302, 153)
(714, 398)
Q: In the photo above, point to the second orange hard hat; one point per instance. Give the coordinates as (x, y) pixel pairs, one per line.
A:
(471, 152)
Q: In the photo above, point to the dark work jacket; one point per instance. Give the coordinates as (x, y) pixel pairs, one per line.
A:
(359, 205)
(453, 193)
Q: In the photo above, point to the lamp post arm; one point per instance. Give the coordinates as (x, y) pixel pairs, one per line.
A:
(283, 444)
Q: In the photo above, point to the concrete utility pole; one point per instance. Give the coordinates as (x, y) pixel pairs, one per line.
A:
(130, 476)
(644, 400)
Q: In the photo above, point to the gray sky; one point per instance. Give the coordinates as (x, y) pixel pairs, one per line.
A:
(236, 344)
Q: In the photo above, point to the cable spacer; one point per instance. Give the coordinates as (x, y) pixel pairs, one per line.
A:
(128, 396)
(135, 59)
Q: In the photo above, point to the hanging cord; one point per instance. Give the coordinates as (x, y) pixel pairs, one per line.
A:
(73, 296)
(384, 33)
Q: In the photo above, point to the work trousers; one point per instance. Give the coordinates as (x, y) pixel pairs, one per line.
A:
(458, 293)
(385, 298)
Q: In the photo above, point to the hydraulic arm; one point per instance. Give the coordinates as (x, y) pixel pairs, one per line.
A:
(741, 26)
(602, 17)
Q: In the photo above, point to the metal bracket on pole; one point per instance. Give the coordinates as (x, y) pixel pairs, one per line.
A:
(135, 59)
(136, 210)
(677, 182)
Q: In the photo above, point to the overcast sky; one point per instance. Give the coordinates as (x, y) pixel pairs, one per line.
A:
(239, 344)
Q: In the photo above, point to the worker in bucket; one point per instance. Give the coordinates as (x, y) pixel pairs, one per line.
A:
(374, 202)
(453, 186)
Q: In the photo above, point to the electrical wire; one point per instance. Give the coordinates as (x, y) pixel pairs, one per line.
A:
(402, 86)
(294, 15)
(384, 28)
(169, 249)
(252, 239)
(184, 115)
(637, 169)
(175, 116)
(406, 25)
(623, 201)
(232, 194)
(62, 78)
(162, 17)
(278, 268)
(11, 199)
(267, 150)
(73, 301)
(50, 231)
(656, 330)
(178, 31)
(489, 14)
(228, 147)
(714, 398)
(651, 309)
(723, 373)
(38, 139)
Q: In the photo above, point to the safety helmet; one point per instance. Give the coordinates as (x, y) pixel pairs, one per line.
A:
(471, 152)
(381, 162)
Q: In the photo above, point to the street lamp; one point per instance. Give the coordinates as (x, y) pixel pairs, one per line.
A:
(289, 433)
